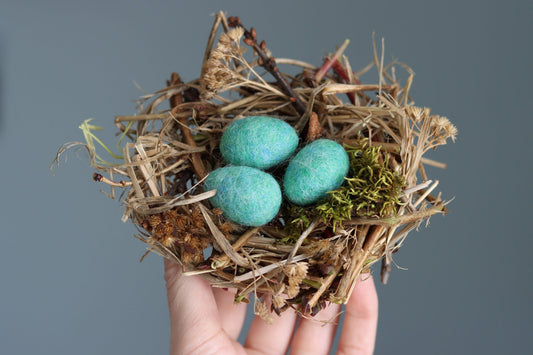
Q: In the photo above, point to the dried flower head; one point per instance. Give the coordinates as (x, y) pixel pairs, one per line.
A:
(154, 220)
(414, 112)
(442, 129)
(168, 240)
(261, 310)
(180, 221)
(296, 273)
(197, 219)
(235, 34)
(218, 73)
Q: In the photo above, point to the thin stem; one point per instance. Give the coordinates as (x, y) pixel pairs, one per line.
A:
(175, 102)
(223, 260)
(328, 64)
(100, 178)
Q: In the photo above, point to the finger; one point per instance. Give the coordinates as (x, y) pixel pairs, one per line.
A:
(195, 326)
(315, 335)
(231, 314)
(360, 321)
(272, 338)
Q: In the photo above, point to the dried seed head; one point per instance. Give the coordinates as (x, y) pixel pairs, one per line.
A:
(159, 231)
(236, 34)
(172, 214)
(189, 254)
(414, 112)
(167, 228)
(168, 240)
(217, 54)
(197, 219)
(301, 269)
(154, 220)
(442, 129)
(261, 310)
(187, 237)
(217, 72)
(293, 290)
(224, 42)
(180, 221)
(296, 273)
(449, 129)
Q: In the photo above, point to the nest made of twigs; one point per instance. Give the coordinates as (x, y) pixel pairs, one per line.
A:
(306, 256)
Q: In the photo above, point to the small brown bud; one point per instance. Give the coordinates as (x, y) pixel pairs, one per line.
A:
(234, 21)
(263, 45)
(315, 130)
(270, 65)
(253, 33)
(145, 224)
(248, 41)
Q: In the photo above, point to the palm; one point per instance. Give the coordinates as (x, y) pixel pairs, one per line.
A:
(205, 321)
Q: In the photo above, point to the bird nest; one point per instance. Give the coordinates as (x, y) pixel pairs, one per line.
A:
(306, 256)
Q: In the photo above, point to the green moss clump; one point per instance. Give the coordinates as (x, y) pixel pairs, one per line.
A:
(372, 187)
(299, 218)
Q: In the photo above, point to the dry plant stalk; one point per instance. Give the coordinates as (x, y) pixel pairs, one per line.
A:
(301, 259)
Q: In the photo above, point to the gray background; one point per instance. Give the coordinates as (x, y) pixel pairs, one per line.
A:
(70, 277)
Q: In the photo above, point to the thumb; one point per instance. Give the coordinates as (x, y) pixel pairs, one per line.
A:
(195, 326)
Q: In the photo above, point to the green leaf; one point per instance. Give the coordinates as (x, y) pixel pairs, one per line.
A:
(91, 138)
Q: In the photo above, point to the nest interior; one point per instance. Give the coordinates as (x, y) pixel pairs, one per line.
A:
(306, 256)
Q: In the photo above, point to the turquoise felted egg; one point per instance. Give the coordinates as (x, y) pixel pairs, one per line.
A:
(316, 169)
(258, 141)
(245, 195)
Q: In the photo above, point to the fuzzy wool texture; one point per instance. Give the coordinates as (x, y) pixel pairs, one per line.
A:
(319, 167)
(258, 141)
(246, 195)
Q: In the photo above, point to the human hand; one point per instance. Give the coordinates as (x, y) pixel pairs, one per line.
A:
(205, 321)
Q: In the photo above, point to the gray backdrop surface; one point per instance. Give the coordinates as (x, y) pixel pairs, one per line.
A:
(70, 277)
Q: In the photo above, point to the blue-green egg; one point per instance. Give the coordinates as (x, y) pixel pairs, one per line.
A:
(246, 195)
(258, 141)
(319, 167)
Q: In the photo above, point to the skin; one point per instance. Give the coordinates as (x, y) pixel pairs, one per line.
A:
(204, 320)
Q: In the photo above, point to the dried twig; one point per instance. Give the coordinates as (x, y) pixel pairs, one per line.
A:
(269, 63)
(175, 102)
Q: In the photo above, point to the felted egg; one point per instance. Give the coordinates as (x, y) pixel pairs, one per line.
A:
(316, 169)
(258, 141)
(246, 195)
